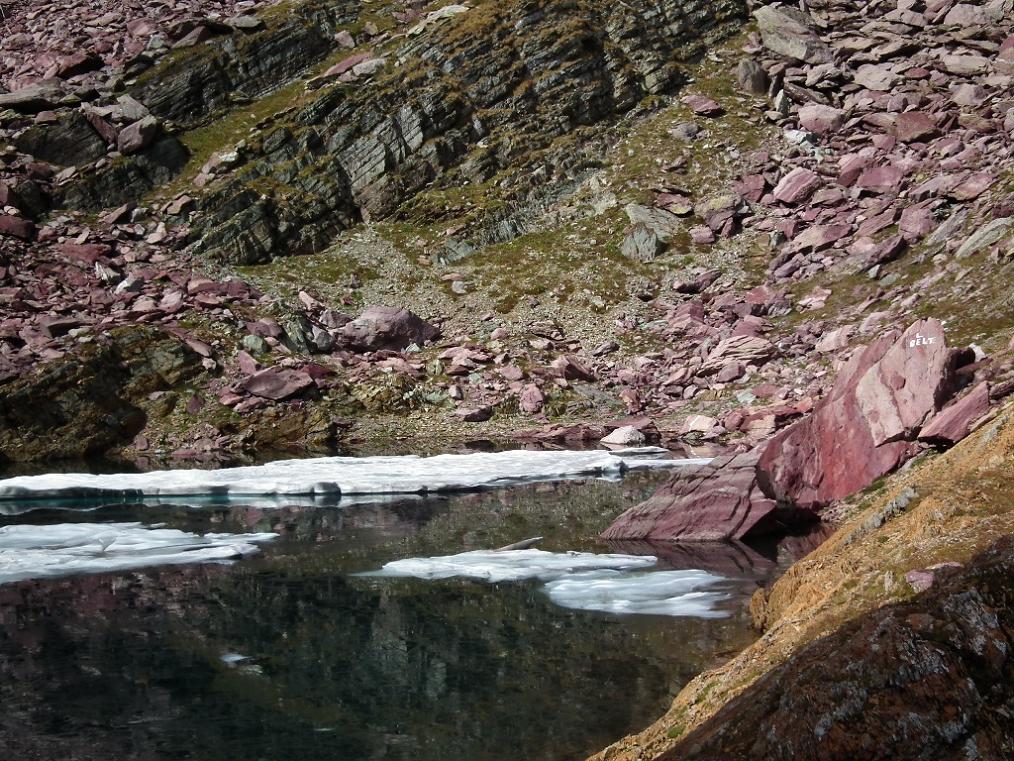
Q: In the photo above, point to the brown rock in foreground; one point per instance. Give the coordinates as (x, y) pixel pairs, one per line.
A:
(929, 680)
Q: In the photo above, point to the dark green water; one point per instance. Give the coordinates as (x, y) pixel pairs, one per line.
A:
(130, 665)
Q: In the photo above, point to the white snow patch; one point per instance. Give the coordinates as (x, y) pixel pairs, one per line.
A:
(581, 580)
(33, 552)
(332, 477)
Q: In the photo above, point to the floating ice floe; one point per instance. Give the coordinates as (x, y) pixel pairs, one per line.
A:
(33, 552)
(332, 478)
(607, 583)
(659, 593)
(512, 565)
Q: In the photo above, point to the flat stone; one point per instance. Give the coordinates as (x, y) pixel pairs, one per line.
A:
(914, 125)
(278, 384)
(882, 179)
(797, 186)
(985, 237)
(821, 119)
(954, 422)
(32, 99)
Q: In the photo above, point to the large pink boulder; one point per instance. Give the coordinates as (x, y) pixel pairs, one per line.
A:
(389, 328)
(864, 427)
(721, 500)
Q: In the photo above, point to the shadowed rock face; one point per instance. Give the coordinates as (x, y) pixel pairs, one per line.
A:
(485, 95)
(927, 680)
(83, 406)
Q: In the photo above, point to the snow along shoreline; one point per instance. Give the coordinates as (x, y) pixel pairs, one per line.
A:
(330, 478)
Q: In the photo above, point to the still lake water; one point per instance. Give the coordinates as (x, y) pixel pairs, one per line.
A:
(292, 655)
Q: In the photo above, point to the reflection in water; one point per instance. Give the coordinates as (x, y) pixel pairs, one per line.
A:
(292, 656)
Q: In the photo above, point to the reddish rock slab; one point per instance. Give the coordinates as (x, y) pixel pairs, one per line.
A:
(721, 500)
(797, 186)
(137, 136)
(277, 385)
(390, 328)
(16, 227)
(821, 119)
(882, 179)
(954, 422)
(703, 106)
(914, 125)
(862, 429)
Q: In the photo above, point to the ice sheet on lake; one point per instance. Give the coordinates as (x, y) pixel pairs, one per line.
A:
(660, 593)
(333, 477)
(33, 552)
(513, 565)
(581, 580)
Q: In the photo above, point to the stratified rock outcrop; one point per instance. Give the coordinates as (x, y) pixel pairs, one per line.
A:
(928, 680)
(492, 92)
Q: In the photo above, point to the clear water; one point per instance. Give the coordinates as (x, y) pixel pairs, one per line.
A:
(292, 656)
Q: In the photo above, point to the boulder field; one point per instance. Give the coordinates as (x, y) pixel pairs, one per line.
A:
(887, 395)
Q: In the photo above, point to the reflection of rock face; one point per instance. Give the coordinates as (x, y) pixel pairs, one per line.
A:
(731, 559)
(401, 658)
(929, 679)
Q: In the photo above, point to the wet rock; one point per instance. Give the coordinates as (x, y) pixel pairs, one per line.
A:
(721, 500)
(389, 328)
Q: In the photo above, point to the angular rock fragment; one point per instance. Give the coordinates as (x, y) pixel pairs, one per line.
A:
(387, 328)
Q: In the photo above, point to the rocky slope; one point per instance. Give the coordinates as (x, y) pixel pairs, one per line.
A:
(229, 228)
